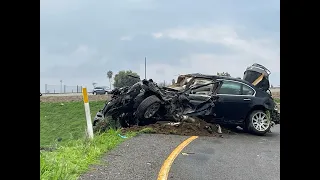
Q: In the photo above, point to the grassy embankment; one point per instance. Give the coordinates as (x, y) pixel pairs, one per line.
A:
(62, 126)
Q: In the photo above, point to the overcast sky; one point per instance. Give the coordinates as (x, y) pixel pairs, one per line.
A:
(80, 40)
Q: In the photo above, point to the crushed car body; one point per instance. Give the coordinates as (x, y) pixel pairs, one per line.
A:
(233, 102)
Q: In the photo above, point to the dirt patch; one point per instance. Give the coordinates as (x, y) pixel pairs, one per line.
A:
(72, 98)
(276, 95)
(197, 128)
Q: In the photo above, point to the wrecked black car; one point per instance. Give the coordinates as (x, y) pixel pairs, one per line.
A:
(239, 103)
(217, 99)
(247, 103)
(145, 102)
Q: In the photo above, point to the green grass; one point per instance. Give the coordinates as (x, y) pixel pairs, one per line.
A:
(277, 100)
(68, 162)
(74, 154)
(64, 120)
(147, 130)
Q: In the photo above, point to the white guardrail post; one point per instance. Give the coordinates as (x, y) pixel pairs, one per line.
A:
(87, 111)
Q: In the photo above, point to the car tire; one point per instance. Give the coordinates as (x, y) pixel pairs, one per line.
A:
(258, 123)
(148, 108)
(94, 93)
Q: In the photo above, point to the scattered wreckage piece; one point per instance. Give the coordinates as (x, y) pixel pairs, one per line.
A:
(174, 124)
(215, 99)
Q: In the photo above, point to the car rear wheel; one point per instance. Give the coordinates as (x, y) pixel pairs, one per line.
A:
(94, 93)
(258, 122)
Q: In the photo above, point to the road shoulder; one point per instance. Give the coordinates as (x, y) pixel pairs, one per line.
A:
(138, 158)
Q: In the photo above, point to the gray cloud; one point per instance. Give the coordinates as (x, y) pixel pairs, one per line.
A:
(81, 40)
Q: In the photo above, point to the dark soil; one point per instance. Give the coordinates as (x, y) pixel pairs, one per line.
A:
(197, 128)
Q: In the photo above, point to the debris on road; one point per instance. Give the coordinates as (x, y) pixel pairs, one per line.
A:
(174, 124)
(219, 128)
(123, 137)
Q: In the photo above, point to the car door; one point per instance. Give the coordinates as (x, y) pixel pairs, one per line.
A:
(232, 105)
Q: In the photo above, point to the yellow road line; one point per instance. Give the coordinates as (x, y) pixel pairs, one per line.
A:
(165, 168)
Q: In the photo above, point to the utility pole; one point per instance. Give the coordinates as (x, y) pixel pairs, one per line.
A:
(60, 86)
(145, 67)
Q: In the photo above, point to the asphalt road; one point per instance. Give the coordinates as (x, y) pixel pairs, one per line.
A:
(139, 158)
(235, 156)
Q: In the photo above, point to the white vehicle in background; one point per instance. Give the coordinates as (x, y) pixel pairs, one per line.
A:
(99, 91)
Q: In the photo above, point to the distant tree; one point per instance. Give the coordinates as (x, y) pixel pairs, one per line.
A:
(109, 75)
(224, 74)
(122, 79)
(271, 86)
(238, 77)
(94, 84)
(173, 81)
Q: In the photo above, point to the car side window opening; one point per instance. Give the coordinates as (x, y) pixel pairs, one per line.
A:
(246, 90)
(206, 90)
(229, 87)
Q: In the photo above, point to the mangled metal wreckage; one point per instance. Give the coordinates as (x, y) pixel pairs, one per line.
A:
(247, 103)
